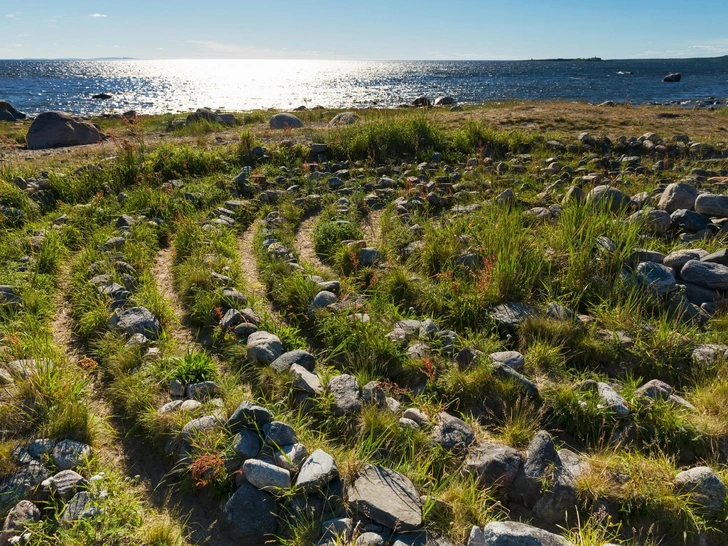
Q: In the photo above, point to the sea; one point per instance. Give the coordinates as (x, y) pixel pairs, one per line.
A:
(164, 86)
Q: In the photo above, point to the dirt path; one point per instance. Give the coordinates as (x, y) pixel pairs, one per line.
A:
(250, 269)
(162, 271)
(372, 227)
(305, 248)
(62, 326)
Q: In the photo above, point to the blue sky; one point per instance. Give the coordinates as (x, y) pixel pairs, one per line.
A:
(374, 29)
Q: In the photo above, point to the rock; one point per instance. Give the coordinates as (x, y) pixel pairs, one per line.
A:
(305, 380)
(418, 416)
(655, 389)
(290, 457)
(77, 508)
(512, 359)
(678, 196)
(137, 320)
(65, 483)
(323, 299)
(21, 484)
(336, 531)
(657, 278)
(493, 465)
(673, 77)
(344, 389)
(301, 358)
(512, 533)
(9, 295)
(372, 393)
(370, 256)
(344, 118)
(706, 274)
(704, 488)
(200, 426)
(68, 454)
(386, 497)
(176, 388)
(265, 476)
(57, 129)
(285, 121)
(277, 434)
(250, 516)
(613, 401)
(234, 298)
(370, 539)
(250, 416)
(230, 319)
(508, 373)
(202, 390)
(317, 471)
(715, 206)
(41, 446)
(444, 101)
(247, 444)
(655, 221)
(689, 220)
(557, 311)
(510, 315)
(467, 357)
(719, 257)
(452, 433)
(263, 347)
(709, 355)
(22, 514)
(11, 111)
(476, 537)
(676, 260)
(541, 457)
(609, 197)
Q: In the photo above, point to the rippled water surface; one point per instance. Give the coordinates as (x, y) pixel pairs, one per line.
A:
(181, 85)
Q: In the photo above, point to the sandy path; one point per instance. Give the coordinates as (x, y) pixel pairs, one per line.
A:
(305, 247)
(162, 271)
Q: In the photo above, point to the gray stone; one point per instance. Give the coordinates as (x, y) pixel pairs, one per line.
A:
(263, 347)
(370, 256)
(250, 516)
(337, 531)
(678, 196)
(410, 327)
(493, 465)
(467, 357)
(277, 434)
(176, 388)
(416, 415)
(657, 278)
(704, 488)
(557, 311)
(290, 457)
(679, 258)
(541, 458)
(285, 121)
(249, 415)
(137, 320)
(689, 220)
(655, 221)
(57, 129)
(512, 359)
(190, 405)
(512, 533)
(17, 520)
(199, 426)
(299, 357)
(508, 373)
(715, 206)
(21, 484)
(247, 444)
(233, 298)
(451, 432)
(370, 539)
(41, 446)
(230, 319)
(9, 295)
(706, 274)
(344, 118)
(265, 476)
(476, 537)
(510, 315)
(344, 389)
(609, 197)
(372, 393)
(408, 424)
(317, 471)
(77, 508)
(323, 299)
(709, 354)
(613, 401)
(202, 390)
(655, 389)
(65, 483)
(719, 257)
(68, 454)
(386, 497)
(170, 407)
(305, 380)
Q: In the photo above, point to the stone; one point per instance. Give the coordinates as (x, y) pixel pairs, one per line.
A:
(445, 101)
(386, 497)
(317, 471)
(299, 357)
(58, 129)
(277, 434)
(541, 456)
(689, 221)
(609, 197)
(557, 311)
(657, 278)
(709, 354)
(676, 260)
(344, 389)
(265, 476)
(177, 388)
(9, 295)
(233, 298)
(68, 454)
(714, 206)
(22, 514)
(202, 390)
(510, 315)
(655, 389)
(508, 373)
(65, 483)
(137, 320)
(719, 257)
(704, 488)
(476, 537)
(336, 531)
(323, 299)
(200, 426)
(263, 347)
(13, 112)
(285, 121)
(247, 444)
(370, 539)
(452, 433)
(250, 416)
(512, 359)
(613, 401)
(655, 221)
(512, 533)
(370, 256)
(372, 393)
(493, 465)
(290, 457)
(41, 446)
(249, 516)
(230, 319)
(77, 508)
(706, 274)
(467, 357)
(21, 484)
(408, 424)
(416, 415)
(305, 380)
(344, 118)
(170, 407)
(678, 196)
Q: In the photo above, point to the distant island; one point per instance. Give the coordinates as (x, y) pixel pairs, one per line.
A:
(579, 59)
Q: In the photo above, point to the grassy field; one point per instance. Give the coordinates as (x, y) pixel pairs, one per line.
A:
(412, 215)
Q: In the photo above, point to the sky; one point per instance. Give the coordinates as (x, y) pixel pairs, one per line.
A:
(363, 29)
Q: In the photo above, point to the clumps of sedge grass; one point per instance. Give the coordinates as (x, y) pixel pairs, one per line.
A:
(193, 367)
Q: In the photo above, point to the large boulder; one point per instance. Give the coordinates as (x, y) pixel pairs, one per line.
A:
(513, 533)
(249, 516)
(715, 206)
(386, 497)
(678, 196)
(9, 113)
(285, 121)
(57, 130)
(704, 488)
(706, 274)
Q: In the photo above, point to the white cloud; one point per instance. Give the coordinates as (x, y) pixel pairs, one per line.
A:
(97, 15)
(10, 15)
